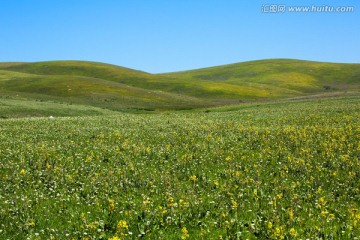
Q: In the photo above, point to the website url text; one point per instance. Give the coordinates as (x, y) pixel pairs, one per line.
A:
(282, 8)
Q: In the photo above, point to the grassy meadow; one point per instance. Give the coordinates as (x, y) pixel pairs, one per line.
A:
(273, 170)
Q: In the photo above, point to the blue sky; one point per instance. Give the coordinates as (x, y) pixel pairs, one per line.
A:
(172, 35)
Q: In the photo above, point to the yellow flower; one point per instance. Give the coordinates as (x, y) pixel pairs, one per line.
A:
(193, 178)
(216, 182)
(30, 223)
(324, 213)
(171, 202)
(234, 203)
(92, 226)
(321, 202)
(22, 171)
(185, 233)
(277, 232)
(291, 214)
(269, 225)
(292, 232)
(146, 202)
(48, 166)
(114, 238)
(122, 225)
(111, 205)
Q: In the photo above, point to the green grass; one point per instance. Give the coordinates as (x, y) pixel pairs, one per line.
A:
(123, 89)
(287, 169)
(23, 108)
(283, 164)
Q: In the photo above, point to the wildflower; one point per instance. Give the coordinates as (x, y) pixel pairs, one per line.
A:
(274, 202)
(321, 202)
(269, 225)
(30, 223)
(48, 166)
(88, 158)
(122, 225)
(183, 203)
(114, 238)
(146, 202)
(291, 214)
(324, 213)
(111, 205)
(278, 233)
(185, 233)
(92, 226)
(234, 203)
(292, 232)
(22, 171)
(193, 178)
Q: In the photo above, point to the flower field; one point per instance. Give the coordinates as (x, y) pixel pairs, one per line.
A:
(287, 170)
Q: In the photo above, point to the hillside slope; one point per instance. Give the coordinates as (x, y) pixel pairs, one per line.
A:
(118, 88)
(273, 78)
(88, 83)
(93, 70)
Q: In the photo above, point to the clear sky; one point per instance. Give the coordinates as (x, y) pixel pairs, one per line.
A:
(172, 35)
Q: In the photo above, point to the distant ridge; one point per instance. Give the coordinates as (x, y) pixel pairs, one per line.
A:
(120, 88)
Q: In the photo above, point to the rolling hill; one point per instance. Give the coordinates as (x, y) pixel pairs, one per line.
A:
(122, 89)
(88, 83)
(273, 78)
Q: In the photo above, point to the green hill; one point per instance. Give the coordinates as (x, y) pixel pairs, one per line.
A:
(103, 71)
(123, 89)
(79, 68)
(87, 83)
(273, 78)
